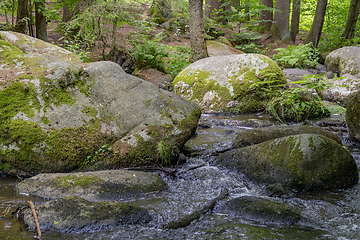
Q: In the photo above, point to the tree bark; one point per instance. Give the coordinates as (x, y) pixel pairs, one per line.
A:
(213, 6)
(281, 19)
(295, 19)
(354, 10)
(197, 35)
(40, 20)
(21, 16)
(317, 25)
(267, 17)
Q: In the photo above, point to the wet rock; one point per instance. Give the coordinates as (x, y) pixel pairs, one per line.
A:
(353, 116)
(106, 185)
(256, 136)
(298, 162)
(223, 83)
(58, 115)
(252, 123)
(262, 211)
(294, 74)
(76, 215)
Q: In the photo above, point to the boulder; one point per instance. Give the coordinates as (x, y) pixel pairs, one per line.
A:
(262, 211)
(59, 115)
(338, 90)
(304, 161)
(294, 74)
(232, 82)
(76, 215)
(216, 48)
(352, 116)
(345, 62)
(105, 185)
(259, 135)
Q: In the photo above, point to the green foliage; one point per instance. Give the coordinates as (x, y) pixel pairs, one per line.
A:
(178, 59)
(149, 53)
(165, 152)
(302, 56)
(102, 152)
(299, 104)
(77, 46)
(329, 43)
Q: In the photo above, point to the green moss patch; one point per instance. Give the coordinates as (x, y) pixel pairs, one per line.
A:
(74, 181)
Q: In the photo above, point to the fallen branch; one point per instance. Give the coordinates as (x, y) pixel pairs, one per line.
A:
(32, 207)
(185, 221)
(190, 168)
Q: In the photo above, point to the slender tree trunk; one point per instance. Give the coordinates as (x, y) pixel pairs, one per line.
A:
(267, 16)
(30, 19)
(295, 19)
(354, 10)
(213, 6)
(21, 16)
(317, 25)
(40, 20)
(281, 19)
(197, 35)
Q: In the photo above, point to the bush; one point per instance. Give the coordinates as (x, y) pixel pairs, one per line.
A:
(302, 56)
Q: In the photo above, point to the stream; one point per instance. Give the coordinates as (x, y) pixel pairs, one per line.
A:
(325, 214)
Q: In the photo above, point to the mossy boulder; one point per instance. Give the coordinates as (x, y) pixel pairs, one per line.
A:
(216, 48)
(93, 186)
(58, 115)
(262, 211)
(230, 83)
(76, 215)
(304, 161)
(352, 116)
(259, 135)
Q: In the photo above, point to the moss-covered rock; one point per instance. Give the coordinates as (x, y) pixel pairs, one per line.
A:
(353, 116)
(259, 135)
(76, 215)
(93, 186)
(304, 161)
(57, 115)
(344, 60)
(216, 48)
(232, 82)
(262, 211)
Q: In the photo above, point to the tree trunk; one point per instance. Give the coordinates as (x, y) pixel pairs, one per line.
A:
(317, 25)
(267, 16)
(40, 20)
(295, 19)
(354, 10)
(281, 19)
(214, 10)
(30, 19)
(197, 35)
(21, 16)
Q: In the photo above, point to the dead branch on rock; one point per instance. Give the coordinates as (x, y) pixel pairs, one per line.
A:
(190, 168)
(32, 207)
(186, 220)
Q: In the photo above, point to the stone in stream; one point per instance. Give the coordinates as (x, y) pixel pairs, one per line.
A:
(231, 82)
(261, 210)
(259, 135)
(59, 115)
(77, 215)
(345, 63)
(298, 162)
(353, 116)
(105, 185)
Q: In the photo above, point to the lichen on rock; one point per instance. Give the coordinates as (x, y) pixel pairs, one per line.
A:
(233, 82)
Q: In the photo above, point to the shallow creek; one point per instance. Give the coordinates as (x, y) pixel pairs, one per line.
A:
(325, 215)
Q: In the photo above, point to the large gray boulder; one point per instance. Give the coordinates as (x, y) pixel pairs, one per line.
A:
(76, 215)
(353, 116)
(232, 82)
(59, 115)
(259, 135)
(108, 185)
(304, 161)
(345, 62)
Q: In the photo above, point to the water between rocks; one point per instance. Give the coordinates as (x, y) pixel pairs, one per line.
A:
(326, 215)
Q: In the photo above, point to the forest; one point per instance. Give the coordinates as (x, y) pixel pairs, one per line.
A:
(132, 28)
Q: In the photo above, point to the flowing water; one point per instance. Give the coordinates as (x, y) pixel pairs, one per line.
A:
(325, 215)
